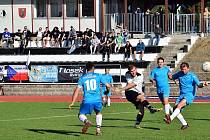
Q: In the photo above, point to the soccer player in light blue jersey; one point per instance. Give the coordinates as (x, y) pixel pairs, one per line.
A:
(159, 77)
(187, 85)
(90, 83)
(106, 93)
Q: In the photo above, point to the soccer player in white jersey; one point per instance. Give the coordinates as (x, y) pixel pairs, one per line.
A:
(104, 92)
(188, 82)
(90, 83)
(135, 95)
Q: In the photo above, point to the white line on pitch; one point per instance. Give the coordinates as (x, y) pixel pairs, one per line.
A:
(39, 118)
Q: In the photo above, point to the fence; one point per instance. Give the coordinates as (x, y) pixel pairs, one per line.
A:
(145, 23)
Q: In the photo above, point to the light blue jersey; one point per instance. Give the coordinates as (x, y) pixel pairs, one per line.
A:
(160, 75)
(109, 79)
(187, 85)
(90, 83)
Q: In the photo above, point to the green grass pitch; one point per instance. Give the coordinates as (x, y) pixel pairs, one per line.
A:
(53, 121)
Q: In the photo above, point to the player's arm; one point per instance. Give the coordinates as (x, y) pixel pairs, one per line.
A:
(128, 86)
(152, 79)
(75, 95)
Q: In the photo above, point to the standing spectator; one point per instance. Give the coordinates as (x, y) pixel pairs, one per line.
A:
(103, 39)
(19, 39)
(111, 38)
(140, 48)
(62, 38)
(158, 33)
(6, 37)
(125, 35)
(90, 83)
(26, 36)
(46, 37)
(128, 50)
(160, 13)
(206, 17)
(138, 19)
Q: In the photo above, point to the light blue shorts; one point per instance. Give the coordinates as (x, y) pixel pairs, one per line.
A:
(163, 93)
(87, 108)
(189, 99)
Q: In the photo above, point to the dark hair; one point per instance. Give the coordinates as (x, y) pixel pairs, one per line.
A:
(89, 66)
(184, 64)
(160, 58)
(131, 66)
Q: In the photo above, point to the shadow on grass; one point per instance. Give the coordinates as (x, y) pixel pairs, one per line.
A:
(199, 119)
(63, 132)
(118, 119)
(66, 108)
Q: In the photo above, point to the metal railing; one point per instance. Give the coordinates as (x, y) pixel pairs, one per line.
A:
(145, 23)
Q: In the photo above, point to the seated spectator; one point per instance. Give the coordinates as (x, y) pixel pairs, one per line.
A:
(85, 44)
(26, 36)
(128, 48)
(89, 33)
(77, 44)
(140, 47)
(39, 35)
(62, 38)
(54, 37)
(94, 44)
(46, 37)
(119, 42)
(7, 39)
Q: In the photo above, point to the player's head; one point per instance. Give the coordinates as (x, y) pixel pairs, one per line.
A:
(160, 61)
(132, 69)
(107, 71)
(184, 67)
(90, 66)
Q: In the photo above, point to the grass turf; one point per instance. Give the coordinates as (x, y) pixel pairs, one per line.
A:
(47, 121)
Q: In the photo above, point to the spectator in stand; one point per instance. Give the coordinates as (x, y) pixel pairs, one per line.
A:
(111, 38)
(134, 53)
(76, 46)
(39, 35)
(107, 50)
(94, 47)
(206, 15)
(158, 33)
(128, 50)
(125, 35)
(26, 36)
(19, 38)
(119, 42)
(6, 37)
(85, 44)
(140, 48)
(89, 33)
(55, 37)
(1, 80)
(62, 38)
(102, 41)
(46, 37)
(72, 35)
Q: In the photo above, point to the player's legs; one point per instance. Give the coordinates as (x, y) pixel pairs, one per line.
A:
(139, 116)
(98, 109)
(108, 101)
(85, 108)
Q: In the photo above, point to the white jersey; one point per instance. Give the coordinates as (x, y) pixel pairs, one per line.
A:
(137, 80)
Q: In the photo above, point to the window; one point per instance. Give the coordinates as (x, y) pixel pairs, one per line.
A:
(71, 8)
(41, 8)
(56, 8)
(87, 7)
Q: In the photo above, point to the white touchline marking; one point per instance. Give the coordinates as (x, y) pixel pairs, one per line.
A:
(39, 118)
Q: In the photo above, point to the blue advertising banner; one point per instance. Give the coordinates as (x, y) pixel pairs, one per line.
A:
(47, 73)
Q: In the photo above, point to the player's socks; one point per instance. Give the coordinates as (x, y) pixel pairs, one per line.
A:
(82, 118)
(98, 130)
(166, 107)
(139, 118)
(108, 101)
(171, 109)
(151, 108)
(175, 113)
(99, 119)
(181, 119)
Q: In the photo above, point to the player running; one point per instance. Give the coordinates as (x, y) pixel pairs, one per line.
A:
(90, 82)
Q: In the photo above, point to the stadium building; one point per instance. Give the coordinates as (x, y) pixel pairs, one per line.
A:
(99, 15)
